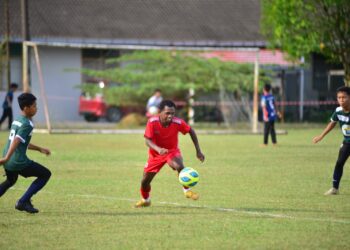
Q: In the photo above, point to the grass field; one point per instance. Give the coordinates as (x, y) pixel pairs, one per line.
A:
(251, 197)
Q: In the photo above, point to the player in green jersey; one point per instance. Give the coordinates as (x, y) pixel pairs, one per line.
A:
(341, 115)
(15, 159)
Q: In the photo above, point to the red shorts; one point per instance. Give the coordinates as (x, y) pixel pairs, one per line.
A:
(156, 162)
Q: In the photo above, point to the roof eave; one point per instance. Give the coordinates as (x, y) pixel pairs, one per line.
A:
(143, 43)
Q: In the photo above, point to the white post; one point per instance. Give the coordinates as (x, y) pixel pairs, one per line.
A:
(255, 97)
(190, 108)
(301, 90)
(25, 80)
(42, 88)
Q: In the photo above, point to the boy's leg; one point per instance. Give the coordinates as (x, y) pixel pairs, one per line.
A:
(3, 117)
(146, 184)
(10, 118)
(266, 132)
(145, 189)
(344, 152)
(11, 178)
(152, 167)
(37, 170)
(273, 132)
(176, 163)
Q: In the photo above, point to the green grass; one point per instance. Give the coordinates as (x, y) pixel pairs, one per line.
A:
(251, 197)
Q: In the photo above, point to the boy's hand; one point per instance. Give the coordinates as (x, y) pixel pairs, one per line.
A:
(200, 156)
(316, 139)
(163, 151)
(279, 114)
(3, 161)
(45, 151)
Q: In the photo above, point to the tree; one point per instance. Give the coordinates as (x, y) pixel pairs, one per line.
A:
(302, 27)
(140, 72)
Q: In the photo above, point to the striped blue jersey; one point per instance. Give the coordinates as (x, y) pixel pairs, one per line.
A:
(268, 103)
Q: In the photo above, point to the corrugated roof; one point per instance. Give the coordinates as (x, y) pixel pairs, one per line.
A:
(198, 23)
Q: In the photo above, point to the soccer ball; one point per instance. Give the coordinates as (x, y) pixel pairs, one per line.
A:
(188, 177)
(153, 110)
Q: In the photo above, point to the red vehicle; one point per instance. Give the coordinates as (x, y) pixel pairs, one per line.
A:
(95, 108)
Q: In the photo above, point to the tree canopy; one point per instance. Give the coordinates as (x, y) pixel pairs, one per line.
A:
(302, 27)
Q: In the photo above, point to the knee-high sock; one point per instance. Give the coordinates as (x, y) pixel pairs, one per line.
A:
(38, 184)
(145, 192)
(337, 174)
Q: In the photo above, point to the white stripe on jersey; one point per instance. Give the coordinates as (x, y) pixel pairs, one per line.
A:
(338, 109)
(22, 140)
(343, 118)
(17, 123)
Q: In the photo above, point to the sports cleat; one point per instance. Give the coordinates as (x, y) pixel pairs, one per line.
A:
(192, 195)
(142, 203)
(26, 206)
(332, 191)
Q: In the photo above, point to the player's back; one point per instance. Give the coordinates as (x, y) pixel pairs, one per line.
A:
(21, 128)
(269, 103)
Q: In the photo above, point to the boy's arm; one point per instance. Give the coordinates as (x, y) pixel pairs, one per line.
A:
(153, 146)
(194, 138)
(278, 112)
(16, 141)
(329, 127)
(40, 149)
(264, 110)
(9, 101)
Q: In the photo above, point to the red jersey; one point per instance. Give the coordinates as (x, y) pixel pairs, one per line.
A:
(165, 137)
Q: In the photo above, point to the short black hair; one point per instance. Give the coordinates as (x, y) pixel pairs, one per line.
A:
(167, 103)
(344, 89)
(157, 90)
(267, 87)
(13, 85)
(26, 100)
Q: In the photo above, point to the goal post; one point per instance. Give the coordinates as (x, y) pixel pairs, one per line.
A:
(26, 87)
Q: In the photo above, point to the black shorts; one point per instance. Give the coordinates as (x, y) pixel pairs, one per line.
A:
(34, 169)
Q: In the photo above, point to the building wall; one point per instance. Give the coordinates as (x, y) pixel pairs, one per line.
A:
(321, 82)
(16, 77)
(60, 83)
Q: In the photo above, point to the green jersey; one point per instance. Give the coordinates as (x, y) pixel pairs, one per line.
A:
(21, 128)
(344, 121)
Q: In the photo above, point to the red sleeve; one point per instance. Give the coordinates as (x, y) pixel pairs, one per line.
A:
(184, 127)
(149, 130)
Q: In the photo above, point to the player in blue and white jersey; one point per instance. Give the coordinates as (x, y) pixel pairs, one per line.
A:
(269, 114)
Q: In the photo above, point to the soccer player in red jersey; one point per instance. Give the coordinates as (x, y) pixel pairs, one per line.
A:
(161, 137)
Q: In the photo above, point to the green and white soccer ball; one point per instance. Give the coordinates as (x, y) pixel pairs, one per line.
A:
(188, 177)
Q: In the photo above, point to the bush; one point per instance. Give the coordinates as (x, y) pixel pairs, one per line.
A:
(132, 120)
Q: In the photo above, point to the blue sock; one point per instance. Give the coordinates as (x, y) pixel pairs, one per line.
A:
(38, 184)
